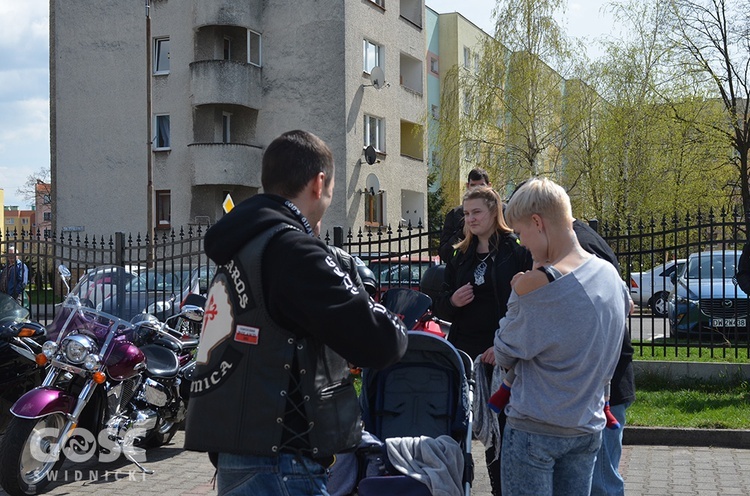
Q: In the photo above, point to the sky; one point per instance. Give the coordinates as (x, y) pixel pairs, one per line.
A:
(24, 76)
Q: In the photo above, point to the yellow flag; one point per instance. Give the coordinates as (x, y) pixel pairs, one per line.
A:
(228, 204)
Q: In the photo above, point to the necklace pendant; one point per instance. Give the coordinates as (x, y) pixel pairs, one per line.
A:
(479, 273)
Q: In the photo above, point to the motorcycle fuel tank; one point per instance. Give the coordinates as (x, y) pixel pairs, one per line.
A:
(125, 360)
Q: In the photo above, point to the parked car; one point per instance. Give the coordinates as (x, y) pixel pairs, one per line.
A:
(156, 291)
(652, 288)
(402, 272)
(706, 299)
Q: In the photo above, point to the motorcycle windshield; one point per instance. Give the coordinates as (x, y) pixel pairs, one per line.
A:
(10, 310)
(82, 309)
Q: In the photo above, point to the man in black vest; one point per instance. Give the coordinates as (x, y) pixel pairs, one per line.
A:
(271, 399)
(453, 226)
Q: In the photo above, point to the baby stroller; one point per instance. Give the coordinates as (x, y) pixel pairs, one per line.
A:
(421, 408)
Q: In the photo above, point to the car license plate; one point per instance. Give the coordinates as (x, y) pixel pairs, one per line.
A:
(728, 322)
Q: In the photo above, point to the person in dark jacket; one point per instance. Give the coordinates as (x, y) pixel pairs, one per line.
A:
(271, 399)
(607, 479)
(453, 226)
(743, 269)
(476, 288)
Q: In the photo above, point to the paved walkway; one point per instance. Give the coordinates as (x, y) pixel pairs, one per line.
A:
(648, 470)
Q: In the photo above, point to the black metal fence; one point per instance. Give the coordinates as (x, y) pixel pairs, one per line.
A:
(399, 256)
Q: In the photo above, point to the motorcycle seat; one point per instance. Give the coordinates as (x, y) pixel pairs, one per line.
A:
(160, 362)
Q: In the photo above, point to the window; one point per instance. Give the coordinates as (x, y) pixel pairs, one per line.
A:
(161, 138)
(467, 57)
(47, 199)
(253, 48)
(467, 103)
(476, 63)
(374, 133)
(47, 216)
(163, 208)
(226, 120)
(227, 48)
(434, 66)
(380, 3)
(471, 151)
(10, 221)
(373, 208)
(161, 56)
(373, 56)
(25, 221)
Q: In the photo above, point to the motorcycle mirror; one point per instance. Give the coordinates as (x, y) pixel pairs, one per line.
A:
(64, 275)
(64, 271)
(193, 312)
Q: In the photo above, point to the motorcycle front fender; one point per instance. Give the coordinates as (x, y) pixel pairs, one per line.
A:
(43, 401)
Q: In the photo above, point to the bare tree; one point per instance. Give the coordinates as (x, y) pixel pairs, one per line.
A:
(714, 38)
(29, 189)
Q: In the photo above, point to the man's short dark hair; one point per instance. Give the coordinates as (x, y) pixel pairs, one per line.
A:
(477, 175)
(292, 160)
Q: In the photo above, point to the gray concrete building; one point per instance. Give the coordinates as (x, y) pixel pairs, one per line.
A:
(179, 106)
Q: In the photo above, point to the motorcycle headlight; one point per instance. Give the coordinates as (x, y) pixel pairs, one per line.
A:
(49, 349)
(77, 347)
(92, 361)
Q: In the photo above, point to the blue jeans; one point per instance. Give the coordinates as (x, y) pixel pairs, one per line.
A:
(537, 464)
(607, 479)
(283, 475)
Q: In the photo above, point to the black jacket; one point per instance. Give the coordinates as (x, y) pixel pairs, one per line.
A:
(622, 386)
(743, 269)
(473, 326)
(282, 316)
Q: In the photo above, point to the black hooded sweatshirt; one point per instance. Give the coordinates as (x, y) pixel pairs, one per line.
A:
(303, 287)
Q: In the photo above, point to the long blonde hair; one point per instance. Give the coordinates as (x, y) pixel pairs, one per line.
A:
(495, 205)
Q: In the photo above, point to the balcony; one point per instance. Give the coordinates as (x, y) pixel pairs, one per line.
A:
(226, 163)
(226, 13)
(226, 82)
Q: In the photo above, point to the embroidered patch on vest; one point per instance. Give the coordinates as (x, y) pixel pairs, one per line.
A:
(218, 320)
(247, 334)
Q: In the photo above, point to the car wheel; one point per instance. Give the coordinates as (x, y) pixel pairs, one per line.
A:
(658, 304)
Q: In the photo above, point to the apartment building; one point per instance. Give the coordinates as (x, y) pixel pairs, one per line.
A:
(173, 110)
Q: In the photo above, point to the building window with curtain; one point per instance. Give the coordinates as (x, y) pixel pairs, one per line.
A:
(372, 56)
(373, 208)
(163, 209)
(374, 133)
(162, 139)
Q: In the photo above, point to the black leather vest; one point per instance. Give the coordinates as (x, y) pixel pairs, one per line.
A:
(252, 373)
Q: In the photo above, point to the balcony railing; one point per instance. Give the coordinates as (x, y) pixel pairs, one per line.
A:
(226, 163)
(226, 82)
(226, 13)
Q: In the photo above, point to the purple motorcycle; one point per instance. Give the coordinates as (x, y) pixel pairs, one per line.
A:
(113, 388)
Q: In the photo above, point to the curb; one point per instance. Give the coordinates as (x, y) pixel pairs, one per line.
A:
(666, 436)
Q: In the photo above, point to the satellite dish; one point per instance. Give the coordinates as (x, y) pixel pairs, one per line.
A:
(370, 155)
(377, 77)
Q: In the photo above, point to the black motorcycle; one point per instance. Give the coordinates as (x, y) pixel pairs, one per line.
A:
(20, 342)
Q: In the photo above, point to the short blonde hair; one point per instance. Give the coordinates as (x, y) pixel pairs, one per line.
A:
(539, 196)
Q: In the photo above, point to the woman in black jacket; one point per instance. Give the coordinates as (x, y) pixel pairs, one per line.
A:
(477, 286)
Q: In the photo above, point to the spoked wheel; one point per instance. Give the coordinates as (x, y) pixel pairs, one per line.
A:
(26, 454)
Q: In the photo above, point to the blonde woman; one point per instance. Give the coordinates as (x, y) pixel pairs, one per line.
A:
(477, 286)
